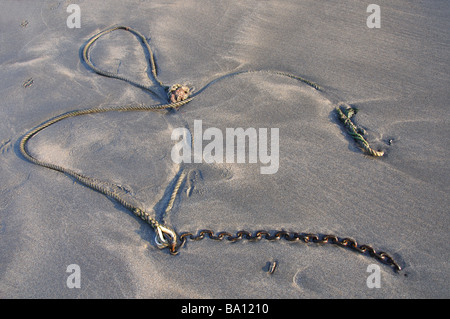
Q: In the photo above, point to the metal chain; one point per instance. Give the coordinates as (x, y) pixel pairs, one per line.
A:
(292, 237)
(166, 237)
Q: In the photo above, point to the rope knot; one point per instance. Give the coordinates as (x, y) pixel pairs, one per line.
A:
(178, 93)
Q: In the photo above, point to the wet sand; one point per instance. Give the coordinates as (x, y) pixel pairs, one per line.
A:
(397, 76)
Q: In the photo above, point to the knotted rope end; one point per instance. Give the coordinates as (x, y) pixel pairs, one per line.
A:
(178, 93)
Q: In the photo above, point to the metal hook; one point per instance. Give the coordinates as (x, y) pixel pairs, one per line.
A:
(166, 237)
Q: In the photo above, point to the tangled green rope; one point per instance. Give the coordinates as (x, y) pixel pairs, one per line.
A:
(345, 116)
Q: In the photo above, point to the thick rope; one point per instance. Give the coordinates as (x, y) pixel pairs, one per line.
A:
(178, 95)
(355, 132)
(86, 180)
(88, 61)
(175, 191)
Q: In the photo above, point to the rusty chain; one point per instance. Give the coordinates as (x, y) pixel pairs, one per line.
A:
(291, 237)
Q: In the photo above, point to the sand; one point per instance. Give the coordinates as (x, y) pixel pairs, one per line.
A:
(397, 76)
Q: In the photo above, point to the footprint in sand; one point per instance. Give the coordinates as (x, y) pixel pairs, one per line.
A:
(5, 146)
(315, 281)
(196, 178)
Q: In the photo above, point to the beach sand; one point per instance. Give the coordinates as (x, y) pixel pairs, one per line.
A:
(398, 77)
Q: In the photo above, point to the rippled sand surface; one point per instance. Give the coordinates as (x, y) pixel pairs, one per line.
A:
(397, 76)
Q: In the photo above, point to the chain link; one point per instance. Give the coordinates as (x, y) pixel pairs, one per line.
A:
(289, 236)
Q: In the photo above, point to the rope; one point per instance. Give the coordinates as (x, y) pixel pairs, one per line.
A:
(176, 101)
(175, 191)
(177, 95)
(88, 61)
(86, 180)
(355, 132)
